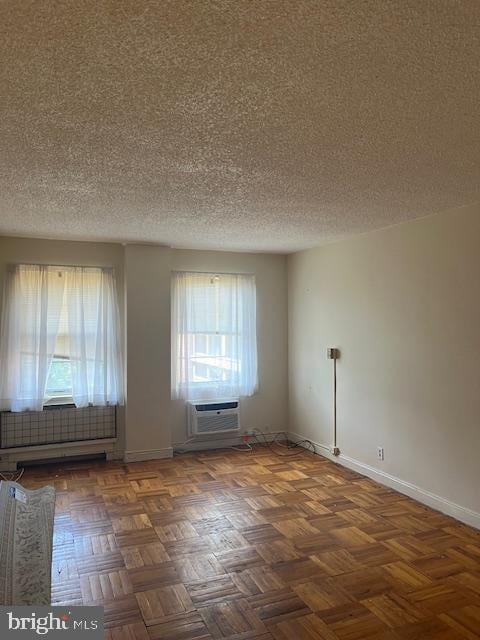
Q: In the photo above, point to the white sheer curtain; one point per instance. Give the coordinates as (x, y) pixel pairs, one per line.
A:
(94, 336)
(214, 343)
(36, 298)
(31, 308)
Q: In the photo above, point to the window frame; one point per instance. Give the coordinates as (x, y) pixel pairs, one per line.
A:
(211, 386)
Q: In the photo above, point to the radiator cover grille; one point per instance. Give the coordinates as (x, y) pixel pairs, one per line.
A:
(56, 425)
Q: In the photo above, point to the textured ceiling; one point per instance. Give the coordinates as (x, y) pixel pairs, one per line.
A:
(245, 124)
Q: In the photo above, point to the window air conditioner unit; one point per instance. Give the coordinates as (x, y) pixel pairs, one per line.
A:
(209, 419)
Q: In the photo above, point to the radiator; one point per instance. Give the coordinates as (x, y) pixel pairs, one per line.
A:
(55, 425)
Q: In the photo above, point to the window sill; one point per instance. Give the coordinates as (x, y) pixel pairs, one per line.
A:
(54, 403)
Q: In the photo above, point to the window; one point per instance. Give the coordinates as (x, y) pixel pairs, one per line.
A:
(60, 337)
(214, 346)
(59, 387)
(59, 381)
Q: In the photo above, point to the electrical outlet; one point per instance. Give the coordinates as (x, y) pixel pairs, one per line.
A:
(380, 453)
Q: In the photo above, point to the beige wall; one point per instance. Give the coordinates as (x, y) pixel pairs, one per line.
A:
(147, 284)
(403, 305)
(153, 421)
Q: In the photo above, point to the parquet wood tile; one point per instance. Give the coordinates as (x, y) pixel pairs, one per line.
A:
(92, 545)
(405, 577)
(187, 627)
(107, 561)
(364, 583)
(215, 589)
(136, 631)
(66, 593)
(322, 593)
(408, 547)
(120, 612)
(373, 555)
(466, 621)
(235, 620)
(102, 587)
(353, 621)
(440, 597)
(394, 610)
(277, 551)
(469, 580)
(239, 546)
(163, 604)
(149, 577)
(228, 539)
(308, 627)
(198, 566)
(276, 606)
(144, 555)
(334, 563)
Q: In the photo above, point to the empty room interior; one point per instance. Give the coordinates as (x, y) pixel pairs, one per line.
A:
(240, 319)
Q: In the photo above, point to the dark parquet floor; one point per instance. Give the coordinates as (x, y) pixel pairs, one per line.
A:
(234, 545)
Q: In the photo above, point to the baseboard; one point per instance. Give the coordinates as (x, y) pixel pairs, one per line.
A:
(10, 457)
(148, 454)
(428, 498)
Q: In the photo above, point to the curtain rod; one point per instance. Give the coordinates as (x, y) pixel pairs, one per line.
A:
(14, 265)
(215, 273)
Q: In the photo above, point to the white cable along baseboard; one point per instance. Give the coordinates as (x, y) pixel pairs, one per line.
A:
(468, 516)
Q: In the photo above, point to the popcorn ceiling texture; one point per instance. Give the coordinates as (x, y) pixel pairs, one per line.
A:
(268, 125)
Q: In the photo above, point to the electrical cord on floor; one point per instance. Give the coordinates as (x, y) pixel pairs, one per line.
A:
(246, 446)
(177, 451)
(289, 445)
(12, 476)
(292, 444)
(271, 444)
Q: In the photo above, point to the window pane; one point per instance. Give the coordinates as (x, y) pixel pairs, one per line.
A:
(212, 357)
(59, 381)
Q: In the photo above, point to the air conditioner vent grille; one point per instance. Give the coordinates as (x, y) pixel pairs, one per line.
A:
(216, 423)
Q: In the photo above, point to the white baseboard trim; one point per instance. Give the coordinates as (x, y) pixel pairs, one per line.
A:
(148, 454)
(10, 457)
(63, 446)
(428, 498)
